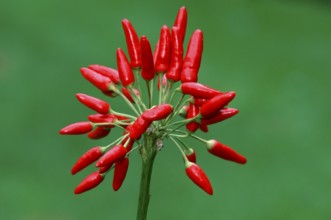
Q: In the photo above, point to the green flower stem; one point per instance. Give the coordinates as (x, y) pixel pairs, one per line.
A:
(148, 152)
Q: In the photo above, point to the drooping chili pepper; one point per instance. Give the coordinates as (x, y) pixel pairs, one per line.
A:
(90, 182)
(147, 63)
(190, 155)
(124, 68)
(77, 128)
(99, 118)
(87, 158)
(93, 103)
(192, 112)
(158, 112)
(221, 116)
(225, 152)
(196, 174)
(181, 22)
(111, 73)
(139, 127)
(128, 95)
(214, 105)
(162, 57)
(192, 60)
(98, 80)
(198, 90)
(99, 132)
(132, 42)
(116, 153)
(121, 168)
(175, 67)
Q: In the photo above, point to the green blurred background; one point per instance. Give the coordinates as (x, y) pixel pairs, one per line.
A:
(275, 54)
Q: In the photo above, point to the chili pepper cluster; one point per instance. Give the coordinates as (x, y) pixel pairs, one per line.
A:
(180, 102)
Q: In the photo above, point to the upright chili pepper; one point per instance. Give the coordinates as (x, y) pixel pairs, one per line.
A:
(162, 57)
(93, 103)
(121, 168)
(225, 152)
(181, 22)
(90, 182)
(99, 132)
(124, 68)
(139, 127)
(100, 81)
(192, 112)
(221, 116)
(77, 128)
(214, 105)
(192, 60)
(132, 42)
(116, 153)
(196, 174)
(147, 63)
(175, 68)
(87, 158)
(111, 73)
(198, 90)
(158, 112)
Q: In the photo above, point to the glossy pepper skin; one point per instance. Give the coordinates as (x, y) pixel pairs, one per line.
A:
(121, 168)
(87, 158)
(192, 60)
(198, 90)
(114, 154)
(124, 68)
(99, 132)
(139, 127)
(77, 128)
(98, 80)
(158, 112)
(93, 103)
(192, 112)
(222, 115)
(91, 181)
(175, 67)
(111, 73)
(225, 152)
(163, 52)
(190, 155)
(214, 105)
(132, 42)
(196, 174)
(147, 63)
(181, 22)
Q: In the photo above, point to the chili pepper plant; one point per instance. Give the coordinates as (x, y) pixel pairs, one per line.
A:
(173, 106)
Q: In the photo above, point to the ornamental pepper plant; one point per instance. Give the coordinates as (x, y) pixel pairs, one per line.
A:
(165, 101)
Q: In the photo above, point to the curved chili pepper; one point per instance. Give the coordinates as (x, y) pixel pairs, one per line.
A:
(225, 152)
(163, 52)
(124, 68)
(116, 153)
(100, 81)
(214, 105)
(86, 159)
(111, 73)
(98, 118)
(190, 155)
(90, 182)
(128, 95)
(196, 174)
(221, 116)
(99, 132)
(181, 22)
(121, 168)
(139, 127)
(158, 112)
(77, 128)
(93, 103)
(192, 60)
(132, 42)
(175, 68)
(198, 90)
(192, 112)
(147, 63)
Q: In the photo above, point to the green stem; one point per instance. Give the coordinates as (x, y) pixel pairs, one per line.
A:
(148, 153)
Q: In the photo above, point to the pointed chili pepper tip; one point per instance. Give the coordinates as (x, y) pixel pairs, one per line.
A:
(77, 128)
(198, 176)
(225, 152)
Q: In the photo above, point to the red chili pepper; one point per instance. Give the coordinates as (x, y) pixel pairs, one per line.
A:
(181, 22)
(121, 117)
(111, 73)
(162, 57)
(220, 150)
(98, 118)
(192, 60)
(91, 181)
(105, 168)
(190, 155)
(100, 81)
(175, 68)
(158, 112)
(139, 127)
(93, 103)
(192, 112)
(99, 132)
(147, 63)
(214, 105)
(116, 153)
(124, 68)
(156, 50)
(131, 142)
(199, 101)
(77, 128)
(203, 127)
(221, 115)
(196, 174)
(198, 90)
(132, 42)
(121, 168)
(128, 95)
(183, 111)
(87, 158)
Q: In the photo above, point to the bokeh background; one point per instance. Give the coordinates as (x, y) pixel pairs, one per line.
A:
(275, 54)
